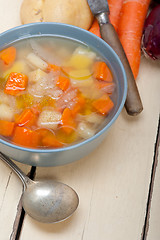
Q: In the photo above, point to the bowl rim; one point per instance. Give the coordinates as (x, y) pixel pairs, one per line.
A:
(100, 132)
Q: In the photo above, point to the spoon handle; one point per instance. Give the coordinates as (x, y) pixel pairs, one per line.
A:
(25, 180)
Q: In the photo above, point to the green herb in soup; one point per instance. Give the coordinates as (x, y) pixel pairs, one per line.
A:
(53, 92)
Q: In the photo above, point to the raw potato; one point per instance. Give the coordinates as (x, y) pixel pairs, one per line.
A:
(74, 12)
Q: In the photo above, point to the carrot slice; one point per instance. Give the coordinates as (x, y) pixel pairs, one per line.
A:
(80, 103)
(16, 83)
(103, 105)
(63, 83)
(51, 141)
(102, 72)
(53, 67)
(8, 55)
(26, 118)
(25, 137)
(6, 128)
(68, 123)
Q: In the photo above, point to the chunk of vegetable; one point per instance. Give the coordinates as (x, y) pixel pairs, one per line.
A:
(86, 52)
(107, 87)
(6, 112)
(18, 66)
(26, 118)
(6, 128)
(94, 118)
(37, 76)
(103, 105)
(85, 131)
(25, 137)
(53, 67)
(67, 121)
(79, 105)
(80, 74)
(51, 141)
(151, 34)
(16, 83)
(82, 83)
(63, 83)
(49, 119)
(8, 55)
(48, 138)
(80, 61)
(37, 62)
(102, 72)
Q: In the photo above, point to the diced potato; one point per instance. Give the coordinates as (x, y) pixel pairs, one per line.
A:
(82, 83)
(85, 131)
(85, 51)
(94, 118)
(80, 61)
(37, 75)
(36, 61)
(6, 112)
(4, 98)
(49, 119)
(18, 66)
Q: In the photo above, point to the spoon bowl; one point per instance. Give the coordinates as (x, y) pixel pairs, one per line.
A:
(46, 201)
(49, 201)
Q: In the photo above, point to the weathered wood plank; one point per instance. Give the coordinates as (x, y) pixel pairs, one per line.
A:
(113, 182)
(152, 225)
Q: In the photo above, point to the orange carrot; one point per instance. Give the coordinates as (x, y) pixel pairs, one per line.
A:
(16, 83)
(25, 137)
(103, 105)
(115, 7)
(102, 72)
(68, 122)
(95, 28)
(63, 83)
(107, 87)
(80, 103)
(6, 128)
(51, 141)
(26, 118)
(53, 67)
(130, 29)
(8, 55)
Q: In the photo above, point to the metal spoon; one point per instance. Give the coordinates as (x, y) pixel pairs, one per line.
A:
(46, 201)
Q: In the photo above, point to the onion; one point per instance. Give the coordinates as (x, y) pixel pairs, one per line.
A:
(151, 34)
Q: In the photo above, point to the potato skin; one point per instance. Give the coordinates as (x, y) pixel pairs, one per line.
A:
(31, 11)
(74, 12)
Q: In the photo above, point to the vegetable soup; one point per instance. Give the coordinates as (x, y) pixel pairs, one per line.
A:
(53, 92)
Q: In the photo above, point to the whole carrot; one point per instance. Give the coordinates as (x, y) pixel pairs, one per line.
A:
(133, 14)
(115, 8)
(95, 28)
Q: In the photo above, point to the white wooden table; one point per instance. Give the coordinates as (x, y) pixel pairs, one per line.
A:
(118, 184)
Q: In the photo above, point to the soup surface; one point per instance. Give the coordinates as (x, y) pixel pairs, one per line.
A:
(53, 92)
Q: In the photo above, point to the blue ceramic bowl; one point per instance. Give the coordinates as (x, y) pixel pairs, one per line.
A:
(54, 157)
